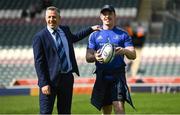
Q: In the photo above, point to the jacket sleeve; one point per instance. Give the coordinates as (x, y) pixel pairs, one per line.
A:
(80, 34)
(40, 62)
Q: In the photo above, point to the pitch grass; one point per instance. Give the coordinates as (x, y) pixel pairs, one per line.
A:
(145, 103)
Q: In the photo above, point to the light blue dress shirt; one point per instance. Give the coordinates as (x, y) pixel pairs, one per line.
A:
(65, 43)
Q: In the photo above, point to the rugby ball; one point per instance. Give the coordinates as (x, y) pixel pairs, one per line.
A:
(107, 52)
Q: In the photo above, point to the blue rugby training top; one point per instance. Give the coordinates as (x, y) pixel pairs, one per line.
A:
(116, 36)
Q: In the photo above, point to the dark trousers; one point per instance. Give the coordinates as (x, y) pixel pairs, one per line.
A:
(63, 92)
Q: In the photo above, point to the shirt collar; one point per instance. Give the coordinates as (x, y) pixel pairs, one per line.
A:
(51, 30)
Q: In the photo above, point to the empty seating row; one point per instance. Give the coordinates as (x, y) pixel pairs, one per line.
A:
(14, 71)
(69, 8)
(68, 4)
(68, 13)
(16, 4)
(160, 60)
(17, 35)
(71, 4)
(171, 31)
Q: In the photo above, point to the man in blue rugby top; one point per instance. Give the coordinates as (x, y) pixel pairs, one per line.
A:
(110, 89)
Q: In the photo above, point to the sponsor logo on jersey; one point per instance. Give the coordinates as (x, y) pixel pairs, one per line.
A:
(99, 37)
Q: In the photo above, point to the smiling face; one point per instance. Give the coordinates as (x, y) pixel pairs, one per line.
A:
(108, 18)
(52, 18)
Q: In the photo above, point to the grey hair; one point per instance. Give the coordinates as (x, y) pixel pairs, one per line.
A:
(53, 8)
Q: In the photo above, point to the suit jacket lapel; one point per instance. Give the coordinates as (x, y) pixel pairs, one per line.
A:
(67, 36)
(50, 38)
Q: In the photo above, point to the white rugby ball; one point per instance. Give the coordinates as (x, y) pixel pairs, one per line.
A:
(107, 52)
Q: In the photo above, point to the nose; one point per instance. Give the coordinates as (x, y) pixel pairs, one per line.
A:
(106, 16)
(51, 18)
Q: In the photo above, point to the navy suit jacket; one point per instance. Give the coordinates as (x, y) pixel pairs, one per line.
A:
(46, 56)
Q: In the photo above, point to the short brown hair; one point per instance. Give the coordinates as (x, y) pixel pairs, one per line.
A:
(53, 8)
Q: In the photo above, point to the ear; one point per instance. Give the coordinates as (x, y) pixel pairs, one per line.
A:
(59, 17)
(101, 16)
(45, 19)
(115, 14)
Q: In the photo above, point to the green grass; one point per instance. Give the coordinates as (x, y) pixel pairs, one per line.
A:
(145, 103)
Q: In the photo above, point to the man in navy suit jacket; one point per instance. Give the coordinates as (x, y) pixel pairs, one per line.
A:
(52, 82)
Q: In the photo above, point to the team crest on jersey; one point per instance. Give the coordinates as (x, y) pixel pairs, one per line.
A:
(116, 37)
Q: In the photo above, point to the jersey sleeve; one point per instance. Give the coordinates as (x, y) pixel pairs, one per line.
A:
(128, 41)
(91, 42)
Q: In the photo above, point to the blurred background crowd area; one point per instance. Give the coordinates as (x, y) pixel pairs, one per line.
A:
(159, 21)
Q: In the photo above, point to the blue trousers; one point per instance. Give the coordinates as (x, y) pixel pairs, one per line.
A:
(63, 92)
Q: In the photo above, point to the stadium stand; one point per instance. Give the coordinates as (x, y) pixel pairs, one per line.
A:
(17, 32)
(160, 54)
(160, 58)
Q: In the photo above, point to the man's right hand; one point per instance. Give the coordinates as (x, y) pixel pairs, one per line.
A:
(98, 56)
(46, 90)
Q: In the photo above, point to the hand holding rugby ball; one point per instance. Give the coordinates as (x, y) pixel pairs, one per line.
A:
(107, 52)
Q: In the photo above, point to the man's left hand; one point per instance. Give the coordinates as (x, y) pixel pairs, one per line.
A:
(96, 27)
